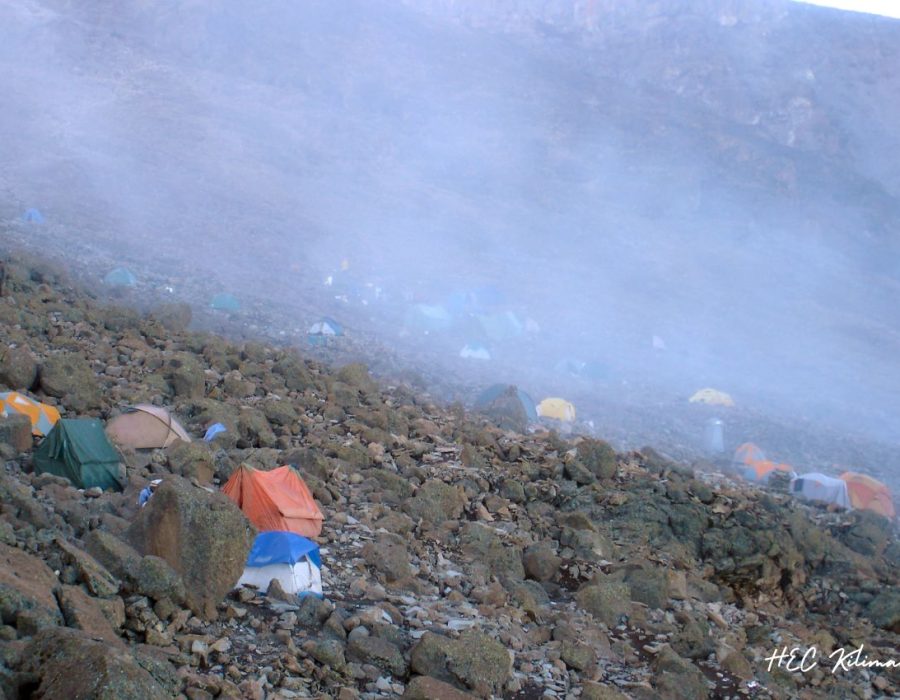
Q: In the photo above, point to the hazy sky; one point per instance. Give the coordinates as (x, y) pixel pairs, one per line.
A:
(888, 8)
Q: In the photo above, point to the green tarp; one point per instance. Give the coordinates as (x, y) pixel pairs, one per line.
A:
(79, 451)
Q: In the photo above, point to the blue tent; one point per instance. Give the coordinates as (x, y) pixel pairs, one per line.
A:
(323, 329)
(294, 561)
(487, 397)
(282, 548)
(427, 317)
(225, 302)
(120, 277)
(33, 216)
(501, 326)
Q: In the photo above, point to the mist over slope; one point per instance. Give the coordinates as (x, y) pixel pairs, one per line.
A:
(717, 174)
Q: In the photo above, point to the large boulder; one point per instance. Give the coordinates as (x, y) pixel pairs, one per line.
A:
(191, 460)
(18, 368)
(473, 661)
(678, 678)
(485, 547)
(884, 610)
(68, 376)
(15, 431)
(66, 663)
(428, 688)
(203, 536)
(26, 588)
(507, 411)
(598, 457)
(436, 502)
(607, 602)
(85, 613)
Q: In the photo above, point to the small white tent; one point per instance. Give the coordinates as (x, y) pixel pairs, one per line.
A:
(821, 488)
(286, 556)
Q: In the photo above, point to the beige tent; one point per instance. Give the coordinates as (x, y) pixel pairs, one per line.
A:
(146, 426)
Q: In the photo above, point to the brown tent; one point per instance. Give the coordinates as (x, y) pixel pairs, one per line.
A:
(146, 426)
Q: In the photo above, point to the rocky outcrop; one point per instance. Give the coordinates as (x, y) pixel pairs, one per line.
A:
(203, 536)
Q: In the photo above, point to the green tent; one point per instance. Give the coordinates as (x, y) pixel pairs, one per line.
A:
(79, 451)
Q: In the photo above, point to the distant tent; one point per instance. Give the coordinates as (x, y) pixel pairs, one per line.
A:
(292, 560)
(748, 453)
(761, 472)
(146, 426)
(43, 417)
(556, 408)
(78, 450)
(867, 493)
(120, 277)
(33, 216)
(324, 328)
(475, 351)
(714, 397)
(501, 326)
(751, 464)
(275, 500)
(225, 302)
(489, 395)
(821, 489)
(429, 318)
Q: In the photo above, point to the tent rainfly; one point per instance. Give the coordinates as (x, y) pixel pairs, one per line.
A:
(292, 560)
(713, 397)
(822, 489)
(493, 392)
(867, 493)
(43, 417)
(558, 409)
(145, 426)
(275, 500)
(78, 450)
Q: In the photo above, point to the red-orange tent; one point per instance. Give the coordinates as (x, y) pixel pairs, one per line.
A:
(867, 493)
(748, 453)
(277, 500)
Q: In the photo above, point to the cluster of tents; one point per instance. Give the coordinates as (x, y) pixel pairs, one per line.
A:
(280, 505)
(849, 490)
(277, 502)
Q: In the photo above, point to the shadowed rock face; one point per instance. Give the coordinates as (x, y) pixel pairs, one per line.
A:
(68, 664)
(203, 536)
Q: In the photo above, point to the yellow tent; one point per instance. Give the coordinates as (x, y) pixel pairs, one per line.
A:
(713, 397)
(43, 417)
(560, 409)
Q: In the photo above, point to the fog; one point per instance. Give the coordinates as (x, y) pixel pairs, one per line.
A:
(722, 176)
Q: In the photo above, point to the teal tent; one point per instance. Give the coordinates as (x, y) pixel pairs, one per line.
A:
(78, 450)
(428, 318)
(120, 277)
(501, 326)
(225, 302)
(486, 397)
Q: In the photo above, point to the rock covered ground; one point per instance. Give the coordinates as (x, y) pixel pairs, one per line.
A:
(461, 558)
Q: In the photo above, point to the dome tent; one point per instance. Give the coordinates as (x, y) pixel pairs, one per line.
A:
(493, 392)
(291, 559)
(275, 500)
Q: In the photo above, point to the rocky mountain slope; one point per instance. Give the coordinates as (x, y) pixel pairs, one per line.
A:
(711, 173)
(461, 559)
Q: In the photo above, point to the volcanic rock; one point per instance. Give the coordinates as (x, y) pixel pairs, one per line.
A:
(202, 535)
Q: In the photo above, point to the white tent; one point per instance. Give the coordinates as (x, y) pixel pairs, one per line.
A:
(286, 556)
(475, 351)
(821, 488)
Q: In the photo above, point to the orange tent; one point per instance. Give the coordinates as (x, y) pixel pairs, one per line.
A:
(867, 493)
(748, 453)
(43, 417)
(277, 500)
(761, 471)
